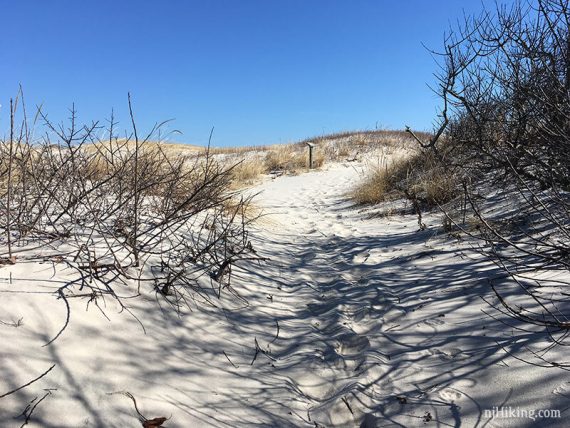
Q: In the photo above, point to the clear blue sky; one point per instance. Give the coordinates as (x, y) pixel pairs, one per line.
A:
(260, 72)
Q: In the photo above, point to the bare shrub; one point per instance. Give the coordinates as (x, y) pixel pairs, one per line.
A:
(116, 209)
(505, 86)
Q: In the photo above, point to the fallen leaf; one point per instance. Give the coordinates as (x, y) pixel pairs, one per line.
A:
(154, 423)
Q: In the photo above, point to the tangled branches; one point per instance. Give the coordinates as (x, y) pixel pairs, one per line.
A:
(505, 86)
(120, 211)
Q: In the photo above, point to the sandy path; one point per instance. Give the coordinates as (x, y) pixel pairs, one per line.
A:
(353, 322)
(388, 326)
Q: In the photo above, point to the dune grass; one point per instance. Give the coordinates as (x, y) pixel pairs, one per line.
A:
(250, 163)
(254, 161)
(421, 176)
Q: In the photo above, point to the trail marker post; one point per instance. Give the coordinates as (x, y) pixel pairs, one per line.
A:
(311, 146)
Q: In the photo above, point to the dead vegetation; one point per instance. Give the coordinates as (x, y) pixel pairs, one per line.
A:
(419, 176)
(123, 213)
(498, 163)
(255, 161)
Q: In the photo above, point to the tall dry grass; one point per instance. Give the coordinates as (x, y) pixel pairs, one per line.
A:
(249, 163)
(421, 176)
(252, 162)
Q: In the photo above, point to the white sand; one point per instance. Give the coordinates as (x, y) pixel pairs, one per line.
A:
(378, 325)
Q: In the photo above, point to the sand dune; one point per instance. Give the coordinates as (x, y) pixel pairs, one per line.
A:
(354, 321)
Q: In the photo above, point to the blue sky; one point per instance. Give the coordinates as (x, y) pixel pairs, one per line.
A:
(260, 72)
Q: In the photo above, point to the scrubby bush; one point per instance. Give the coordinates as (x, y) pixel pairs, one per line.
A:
(505, 87)
(503, 134)
(119, 210)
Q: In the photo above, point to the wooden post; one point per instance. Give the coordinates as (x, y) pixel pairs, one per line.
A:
(311, 146)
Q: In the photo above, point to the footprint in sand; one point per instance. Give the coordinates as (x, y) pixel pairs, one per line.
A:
(448, 354)
(562, 389)
(330, 358)
(371, 421)
(434, 322)
(353, 312)
(392, 315)
(322, 380)
(307, 257)
(378, 376)
(362, 281)
(379, 303)
(351, 344)
(317, 386)
(361, 257)
(320, 309)
(450, 394)
(329, 295)
(327, 359)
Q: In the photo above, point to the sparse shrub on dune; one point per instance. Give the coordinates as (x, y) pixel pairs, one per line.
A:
(504, 83)
(120, 211)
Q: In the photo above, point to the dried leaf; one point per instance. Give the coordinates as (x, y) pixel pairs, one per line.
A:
(8, 260)
(154, 423)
